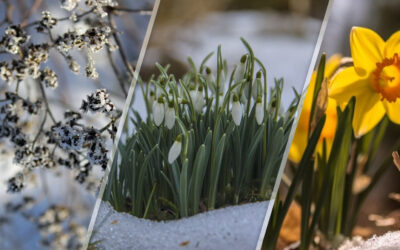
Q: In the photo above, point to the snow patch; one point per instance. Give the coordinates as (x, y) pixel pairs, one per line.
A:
(388, 241)
(234, 227)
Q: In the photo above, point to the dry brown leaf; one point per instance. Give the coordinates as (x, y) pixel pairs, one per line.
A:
(361, 183)
(184, 243)
(290, 231)
(396, 159)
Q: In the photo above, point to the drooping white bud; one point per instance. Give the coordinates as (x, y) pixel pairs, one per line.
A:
(257, 87)
(198, 99)
(158, 111)
(170, 116)
(239, 74)
(175, 149)
(152, 98)
(259, 111)
(237, 111)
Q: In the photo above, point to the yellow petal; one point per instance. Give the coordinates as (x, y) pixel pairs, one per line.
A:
(393, 110)
(347, 84)
(392, 45)
(368, 112)
(366, 49)
(332, 64)
(298, 145)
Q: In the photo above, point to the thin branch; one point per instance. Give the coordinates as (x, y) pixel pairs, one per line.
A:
(138, 11)
(8, 9)
(117, 74)
(120, 49)
(35, 6)
(40, 129)
(60, 19)
(46, 102)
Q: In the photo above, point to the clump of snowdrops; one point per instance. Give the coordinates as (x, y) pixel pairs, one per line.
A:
(214, 137)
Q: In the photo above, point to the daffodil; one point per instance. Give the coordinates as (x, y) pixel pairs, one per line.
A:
(374, 79)
(300, 139)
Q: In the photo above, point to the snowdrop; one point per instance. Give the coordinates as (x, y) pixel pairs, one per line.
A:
(259, 111)
(239, 74)
(257, 87)
(198, 99)
(158, 111)
(175, 149)
(170, 116)
(237, 110)
(152, 98)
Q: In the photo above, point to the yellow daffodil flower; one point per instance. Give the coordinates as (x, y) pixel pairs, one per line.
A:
(328, 132)
(374, 79)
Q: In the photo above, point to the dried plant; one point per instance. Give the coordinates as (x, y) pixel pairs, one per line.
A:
(31, 127)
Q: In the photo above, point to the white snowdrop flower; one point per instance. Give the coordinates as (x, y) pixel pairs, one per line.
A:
(210, 76)
(175, 149)
(152, 98)
(259, 111)
(237, 110)
(170, 116)
(158, 111)
(198, 99)
(257, 86)
(239, 74)
(69, 4)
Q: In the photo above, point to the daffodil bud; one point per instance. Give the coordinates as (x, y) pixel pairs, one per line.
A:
(175, 149)
(158, 111)
(237, 111)
(170, 116)
(259, 111)
(257, 86)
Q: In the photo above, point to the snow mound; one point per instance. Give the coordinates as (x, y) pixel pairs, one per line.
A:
(388, 241)
(235, 227)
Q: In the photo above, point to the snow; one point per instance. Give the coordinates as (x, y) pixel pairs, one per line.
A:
(388, 241)
(234, 227)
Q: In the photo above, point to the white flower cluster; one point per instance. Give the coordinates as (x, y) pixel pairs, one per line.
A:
(57, 229)
(14, 37)
(98, 102)
(16, 183)
(39, 156)
(9, 127)
(100, 5)
(69, 5)
(48, 21)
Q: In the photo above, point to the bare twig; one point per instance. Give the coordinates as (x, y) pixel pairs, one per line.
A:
(138, 11)
(116, 72)
(48, 110)
(35, 6)
(120, 49)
